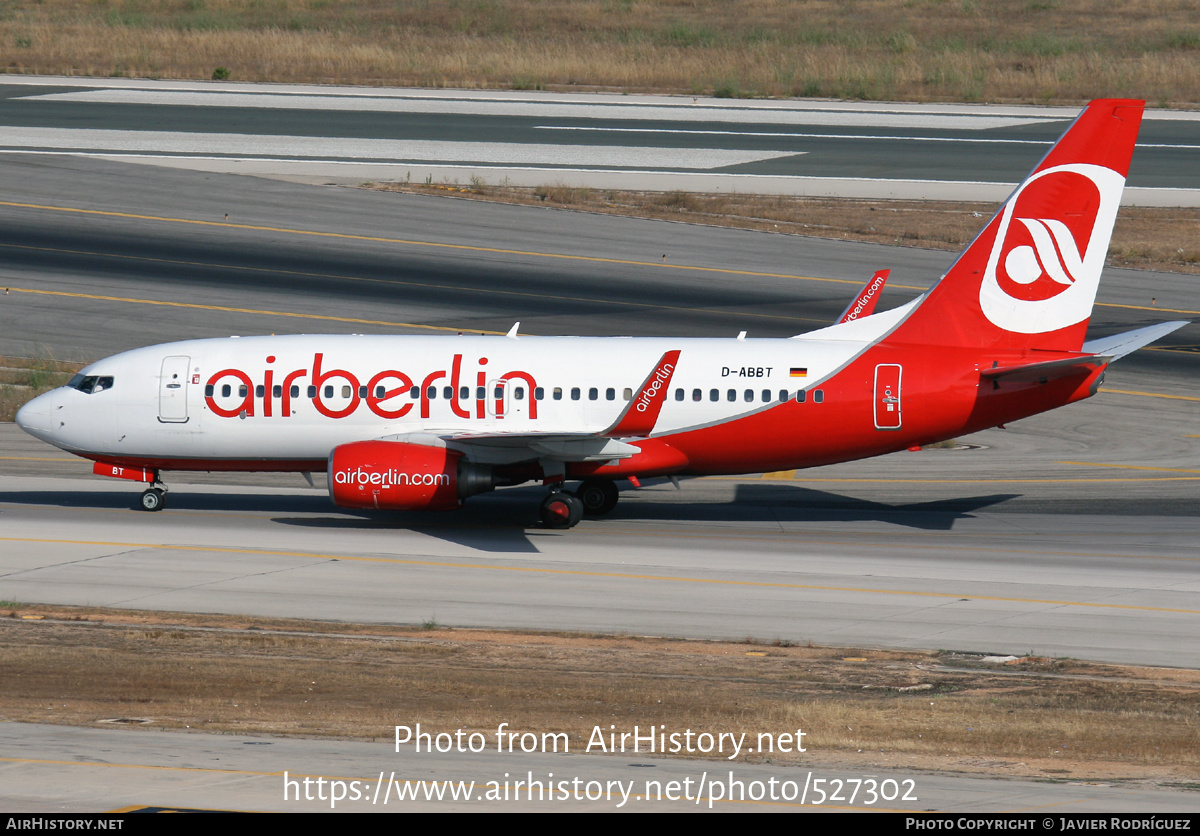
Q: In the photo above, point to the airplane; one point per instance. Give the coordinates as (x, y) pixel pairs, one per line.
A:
(423, 423)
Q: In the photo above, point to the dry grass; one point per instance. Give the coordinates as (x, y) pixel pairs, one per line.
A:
(1143, 238)
(914, 709)
(22, 379)
(963, 50)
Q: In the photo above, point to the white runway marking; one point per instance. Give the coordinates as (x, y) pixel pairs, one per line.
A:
(397, 150)
(682, 112)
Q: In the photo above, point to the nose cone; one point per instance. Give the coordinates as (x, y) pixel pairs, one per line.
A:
(34, 417)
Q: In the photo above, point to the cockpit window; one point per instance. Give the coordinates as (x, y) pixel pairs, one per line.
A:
(90, 384)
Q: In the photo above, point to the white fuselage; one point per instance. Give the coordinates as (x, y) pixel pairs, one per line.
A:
(298, 397)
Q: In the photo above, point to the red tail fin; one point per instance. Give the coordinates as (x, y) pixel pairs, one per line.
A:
(1029, 279)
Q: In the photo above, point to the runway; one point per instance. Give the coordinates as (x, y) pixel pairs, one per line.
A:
(1069, 534)
(349, 135)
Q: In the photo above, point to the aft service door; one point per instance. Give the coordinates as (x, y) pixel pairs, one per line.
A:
(173, 390)
(887, 396)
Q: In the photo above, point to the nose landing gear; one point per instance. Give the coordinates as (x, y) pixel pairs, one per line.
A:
(154, 498)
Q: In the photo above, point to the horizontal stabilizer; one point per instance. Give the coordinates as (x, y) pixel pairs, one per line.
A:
(1047, 370)
(1118, 345)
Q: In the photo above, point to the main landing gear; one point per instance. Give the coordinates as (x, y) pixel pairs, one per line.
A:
(563, 509)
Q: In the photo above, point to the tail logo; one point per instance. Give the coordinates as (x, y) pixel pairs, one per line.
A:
(1043, 270)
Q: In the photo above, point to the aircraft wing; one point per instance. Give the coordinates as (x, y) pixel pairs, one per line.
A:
(636, 422)
(507, 448)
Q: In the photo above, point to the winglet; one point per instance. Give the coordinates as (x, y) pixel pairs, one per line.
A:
(512, 332)
(864, 303)
(641, 414)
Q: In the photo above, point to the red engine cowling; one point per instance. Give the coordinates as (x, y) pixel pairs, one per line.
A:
(396, 475)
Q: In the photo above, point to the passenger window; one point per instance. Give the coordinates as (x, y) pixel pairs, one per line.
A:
(328, 392)
(783, 395)
(208, 390)
(380, 392)
(464, 393)
(766, 393)
(610, 394)
(575, 394)
(678, 394)
(431, 393)
(448, 393)
(295, 392)
(259, 391)
(696, 395)
(499, 393)
(519, 393)
(362, 391)
(277, 391)
(243, 391)
(347, 391)
(593, 393)
(748, 396)
(558, 393)
(227, 390)
(627, 394)
(312, 391)
(415, 393)
(714, 394)
(818, 396)
(731, 395)
(801, 395)
(539, 393)
(480, 393)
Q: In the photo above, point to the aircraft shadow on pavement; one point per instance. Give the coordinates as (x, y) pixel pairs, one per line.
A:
(506, 521)
(799, 504)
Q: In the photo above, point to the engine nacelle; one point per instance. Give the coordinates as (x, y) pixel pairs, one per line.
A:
(397, 475)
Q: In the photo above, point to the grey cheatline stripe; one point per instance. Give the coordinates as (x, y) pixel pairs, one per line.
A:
(682, 112)
(399, 150)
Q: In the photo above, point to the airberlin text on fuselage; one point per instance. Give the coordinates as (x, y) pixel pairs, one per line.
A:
(277, 397)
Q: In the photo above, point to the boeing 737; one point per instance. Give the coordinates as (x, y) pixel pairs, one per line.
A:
(416, 423)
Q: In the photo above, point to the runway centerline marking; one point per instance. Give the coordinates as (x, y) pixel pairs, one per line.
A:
(226, 309)
(396, 283)
(445, 564)
(434, 244)
(1148, 394)
(1133, 467)
(498, 250)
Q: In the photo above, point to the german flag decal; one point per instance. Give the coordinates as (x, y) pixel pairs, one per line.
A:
(799, 372)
